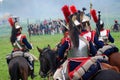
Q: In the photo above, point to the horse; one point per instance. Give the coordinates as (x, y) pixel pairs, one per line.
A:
(107, 75)
(113, 54)
(114, 59)
(48, 61)
(19, 68)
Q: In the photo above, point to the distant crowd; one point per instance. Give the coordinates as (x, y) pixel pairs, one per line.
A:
(46, 27)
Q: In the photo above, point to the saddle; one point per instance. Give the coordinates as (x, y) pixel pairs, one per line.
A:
(15, 54)
(26, 55)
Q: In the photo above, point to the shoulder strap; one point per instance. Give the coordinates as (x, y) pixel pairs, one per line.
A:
(19, 46)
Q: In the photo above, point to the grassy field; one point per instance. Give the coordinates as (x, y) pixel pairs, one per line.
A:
(40, 41)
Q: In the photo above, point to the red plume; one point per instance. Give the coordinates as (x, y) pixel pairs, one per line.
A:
(73, 9)
(94, 16)
(66, 12)
(11, 21)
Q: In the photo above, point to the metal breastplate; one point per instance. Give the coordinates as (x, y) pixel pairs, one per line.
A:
(103, 36)
(81, 51)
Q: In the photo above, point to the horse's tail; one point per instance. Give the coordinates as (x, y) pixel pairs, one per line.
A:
(14, 71)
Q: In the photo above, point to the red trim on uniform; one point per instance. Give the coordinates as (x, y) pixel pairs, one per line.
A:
(102, 29)
(21, 38)
(90, 37)
(62, 40)
(66, 38)
(84, 32)
(69, 43)
(80, 59)
(108, 31)
(18, 35)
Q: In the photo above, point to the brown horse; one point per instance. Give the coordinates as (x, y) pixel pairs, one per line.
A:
(113, 54)
(19, 69)
(114, 59)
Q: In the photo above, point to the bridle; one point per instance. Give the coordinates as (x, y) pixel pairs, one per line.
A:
(49, 71)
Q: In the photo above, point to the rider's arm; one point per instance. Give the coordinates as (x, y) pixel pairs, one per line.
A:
(93, 50)
(62, 49)
(111, 39)
(99, 44)
(28, 45)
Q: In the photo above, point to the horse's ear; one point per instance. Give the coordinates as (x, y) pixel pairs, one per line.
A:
(40, 50)
(49, 46)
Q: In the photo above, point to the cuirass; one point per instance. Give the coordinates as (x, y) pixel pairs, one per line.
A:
(81, 51)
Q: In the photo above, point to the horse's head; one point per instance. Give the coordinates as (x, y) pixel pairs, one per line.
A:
(47, 61)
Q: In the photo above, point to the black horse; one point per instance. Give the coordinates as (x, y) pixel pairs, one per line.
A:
(48, 61)
(48, 66)
(19, 68)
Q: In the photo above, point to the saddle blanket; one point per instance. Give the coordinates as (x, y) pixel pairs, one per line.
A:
(84, 67)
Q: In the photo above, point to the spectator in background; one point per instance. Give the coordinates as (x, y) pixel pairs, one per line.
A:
(116, 26)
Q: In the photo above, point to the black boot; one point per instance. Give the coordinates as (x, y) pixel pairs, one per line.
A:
(32, 71)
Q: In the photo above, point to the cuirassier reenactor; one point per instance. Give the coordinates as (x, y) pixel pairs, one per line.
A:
(20, 44)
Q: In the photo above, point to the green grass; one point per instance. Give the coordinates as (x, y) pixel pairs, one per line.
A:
(116, 36)
(40, 41)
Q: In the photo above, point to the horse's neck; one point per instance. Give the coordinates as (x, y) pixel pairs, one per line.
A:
(52, 60)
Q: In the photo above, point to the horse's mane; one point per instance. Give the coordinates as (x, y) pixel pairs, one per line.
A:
(75, 30)
(74, 35)
(51, 51)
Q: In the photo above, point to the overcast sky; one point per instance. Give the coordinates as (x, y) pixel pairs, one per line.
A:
(44, 9)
